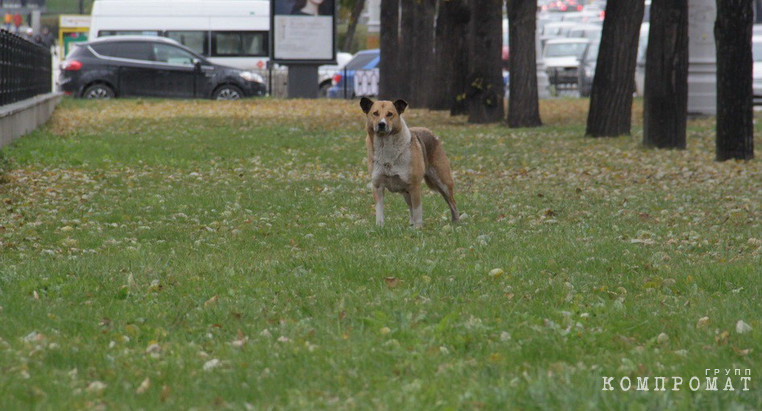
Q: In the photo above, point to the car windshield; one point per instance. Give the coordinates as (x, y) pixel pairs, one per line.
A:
(590, 33)
(360, 61)
(565, 50)
(757, 51)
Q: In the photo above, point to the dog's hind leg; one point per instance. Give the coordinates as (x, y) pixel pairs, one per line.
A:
(438, 176)
(445, 187)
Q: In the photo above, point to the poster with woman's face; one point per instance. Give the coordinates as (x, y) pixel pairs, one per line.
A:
(303, 30)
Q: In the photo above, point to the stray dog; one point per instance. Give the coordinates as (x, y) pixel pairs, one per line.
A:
(399, 158)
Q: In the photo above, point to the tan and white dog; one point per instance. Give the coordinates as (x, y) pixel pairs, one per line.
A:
(400, 158)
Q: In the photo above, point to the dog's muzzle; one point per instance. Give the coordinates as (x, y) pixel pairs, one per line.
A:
(381, 128)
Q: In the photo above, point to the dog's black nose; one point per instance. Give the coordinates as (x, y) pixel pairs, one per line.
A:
(382, 126)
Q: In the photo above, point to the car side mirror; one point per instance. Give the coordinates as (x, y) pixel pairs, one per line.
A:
(197, 64)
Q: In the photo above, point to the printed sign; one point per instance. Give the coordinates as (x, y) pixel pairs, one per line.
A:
(303, 31)
(69, 20)
(73, 29)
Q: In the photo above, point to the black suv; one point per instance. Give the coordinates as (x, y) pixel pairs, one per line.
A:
(135, 66)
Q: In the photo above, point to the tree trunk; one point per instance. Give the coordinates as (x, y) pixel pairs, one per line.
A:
(485, 78)
(421, 60)
(459, 62)
(356, 11)
(610, 112)
(732, 33)
(523, 103)
(406, 50)
(450, 65)
(389, 38)
(666, 91)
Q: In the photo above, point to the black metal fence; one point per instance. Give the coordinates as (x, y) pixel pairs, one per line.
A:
(25, 69)
(276, 81)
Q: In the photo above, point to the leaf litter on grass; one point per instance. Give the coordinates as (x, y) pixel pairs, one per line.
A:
(609, 254)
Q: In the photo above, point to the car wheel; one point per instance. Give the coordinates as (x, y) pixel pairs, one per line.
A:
(98, 92)
(228, 92)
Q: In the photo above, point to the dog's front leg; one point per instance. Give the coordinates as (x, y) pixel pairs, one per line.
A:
(378, 195)
(409, 202)
(416, 207)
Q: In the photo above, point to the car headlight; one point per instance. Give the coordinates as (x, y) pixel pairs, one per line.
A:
(249, 76)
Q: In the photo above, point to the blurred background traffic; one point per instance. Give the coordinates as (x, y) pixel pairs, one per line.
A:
(568, 34)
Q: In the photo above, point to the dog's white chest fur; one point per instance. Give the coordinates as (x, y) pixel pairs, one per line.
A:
(391, 161)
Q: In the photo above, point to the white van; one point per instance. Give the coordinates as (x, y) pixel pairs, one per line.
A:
(233, 33)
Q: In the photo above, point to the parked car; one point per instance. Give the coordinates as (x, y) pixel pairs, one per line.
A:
(586, 71)
(328, 71)
(140, 66)
(506, 45)
(647, 12)
(588, 31)
(545, 17)
(232, 33)
(562, 60)
(562, 6)
(756, 47)
(640, 62)
(597, 7)
(506, 55)
(555, 30)
(583, 17)
(344, 80)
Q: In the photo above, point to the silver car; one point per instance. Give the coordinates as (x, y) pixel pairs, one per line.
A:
(562, 58)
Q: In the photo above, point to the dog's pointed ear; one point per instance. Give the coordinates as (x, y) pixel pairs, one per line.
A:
(366, 104)
(400, 105)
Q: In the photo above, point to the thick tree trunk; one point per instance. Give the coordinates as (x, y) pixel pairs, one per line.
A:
(389, 38)
(421, 60)
(666, 91)
(732, 33)
(610, 112)
(460, 59)
(450, 62)
(356, 11)
(405, 47)
(523, 103)
(485, 78)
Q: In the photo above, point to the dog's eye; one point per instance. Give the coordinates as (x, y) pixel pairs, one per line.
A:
(376, 114)
(390, 115)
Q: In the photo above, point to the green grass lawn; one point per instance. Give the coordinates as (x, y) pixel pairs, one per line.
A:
(177, 255)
